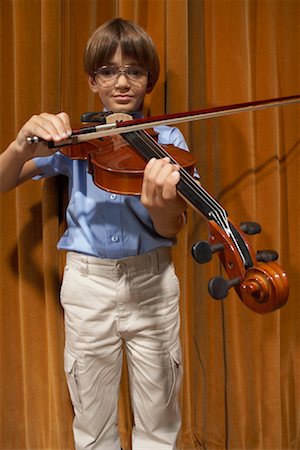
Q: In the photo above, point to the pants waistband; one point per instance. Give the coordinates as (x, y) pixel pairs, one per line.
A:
(154, 262)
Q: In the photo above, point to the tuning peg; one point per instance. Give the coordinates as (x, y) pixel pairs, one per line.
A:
(266, 255)
(250, 227)
(218, 287)
(202, 251)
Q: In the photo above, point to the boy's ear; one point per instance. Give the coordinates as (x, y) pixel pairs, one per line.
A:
(150, 85)
(92, 84)
(149, 88)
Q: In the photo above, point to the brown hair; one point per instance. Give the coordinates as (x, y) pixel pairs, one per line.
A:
(134, 42)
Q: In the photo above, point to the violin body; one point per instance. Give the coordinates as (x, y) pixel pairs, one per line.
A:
(116, 167)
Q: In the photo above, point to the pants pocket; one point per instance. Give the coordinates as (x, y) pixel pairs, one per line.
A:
(71, 370)
(175, 373)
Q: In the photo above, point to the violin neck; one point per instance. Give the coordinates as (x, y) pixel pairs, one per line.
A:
(188, 187)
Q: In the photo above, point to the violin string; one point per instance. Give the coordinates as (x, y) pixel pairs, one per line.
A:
(153, 149)
(186, 177)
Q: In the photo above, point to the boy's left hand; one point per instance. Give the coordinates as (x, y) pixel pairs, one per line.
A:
(159, 195)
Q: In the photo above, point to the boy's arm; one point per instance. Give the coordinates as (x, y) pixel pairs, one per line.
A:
(16, 165)
(160, 197)
(15, 169)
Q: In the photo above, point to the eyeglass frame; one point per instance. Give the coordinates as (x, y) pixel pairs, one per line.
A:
(122, 70)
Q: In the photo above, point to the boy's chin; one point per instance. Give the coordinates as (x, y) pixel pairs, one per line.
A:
(123, 109)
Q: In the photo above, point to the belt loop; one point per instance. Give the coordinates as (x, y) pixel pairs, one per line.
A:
(84, 266)
(155, 262)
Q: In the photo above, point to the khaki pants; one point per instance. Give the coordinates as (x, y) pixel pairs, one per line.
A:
(107, 303)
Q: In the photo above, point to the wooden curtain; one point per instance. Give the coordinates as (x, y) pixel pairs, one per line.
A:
(241, 387)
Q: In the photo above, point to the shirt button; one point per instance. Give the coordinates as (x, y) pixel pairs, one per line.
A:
(114, 238)
(113, 196)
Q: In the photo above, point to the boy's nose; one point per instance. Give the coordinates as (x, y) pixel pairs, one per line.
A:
(122, 80)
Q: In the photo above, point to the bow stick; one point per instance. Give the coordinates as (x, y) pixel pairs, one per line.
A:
(111, 129)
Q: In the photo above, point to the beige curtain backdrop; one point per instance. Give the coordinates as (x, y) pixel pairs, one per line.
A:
(241, 387)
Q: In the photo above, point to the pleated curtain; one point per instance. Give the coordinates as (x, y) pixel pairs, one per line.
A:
(241, 387)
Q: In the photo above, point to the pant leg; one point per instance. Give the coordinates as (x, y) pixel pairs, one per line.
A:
(154, 359)
(93, 356)
(135, 299)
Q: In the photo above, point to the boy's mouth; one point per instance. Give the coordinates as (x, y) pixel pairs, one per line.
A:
(122, 98)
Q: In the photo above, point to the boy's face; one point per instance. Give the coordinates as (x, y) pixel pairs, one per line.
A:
(123, 95)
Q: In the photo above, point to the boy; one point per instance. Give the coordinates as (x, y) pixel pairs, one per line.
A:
(119, 284)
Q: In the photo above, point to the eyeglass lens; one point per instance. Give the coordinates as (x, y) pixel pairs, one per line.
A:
(109, 74)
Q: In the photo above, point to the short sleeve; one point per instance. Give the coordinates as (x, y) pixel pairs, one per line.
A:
(56, 164)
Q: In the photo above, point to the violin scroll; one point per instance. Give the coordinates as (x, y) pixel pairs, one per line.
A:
(265, 288)
(259, 281)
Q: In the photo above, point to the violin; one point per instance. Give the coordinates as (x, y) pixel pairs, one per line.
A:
(259, 281)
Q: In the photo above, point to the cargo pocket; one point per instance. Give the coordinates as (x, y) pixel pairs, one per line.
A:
(71, 370)
(175, 372)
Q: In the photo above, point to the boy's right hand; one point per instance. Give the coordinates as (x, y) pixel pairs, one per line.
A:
(49, 127)
(16, 165)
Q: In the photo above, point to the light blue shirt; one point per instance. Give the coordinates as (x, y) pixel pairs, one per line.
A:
(100, 223)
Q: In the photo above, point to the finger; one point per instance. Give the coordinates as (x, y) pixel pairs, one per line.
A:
(154, 165)
(169, 191)
(46, 126)
(162, 180)
(66, 120)
(149, 166)
(58, 126)
(155, 170)
(147, 170)
(165, 174)
(156, 173)
(150, 173)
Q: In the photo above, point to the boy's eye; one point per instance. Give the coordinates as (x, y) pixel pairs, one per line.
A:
(136, 72)
(108, 71)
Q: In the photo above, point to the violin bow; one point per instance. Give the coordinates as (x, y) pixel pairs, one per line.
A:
(114, 128)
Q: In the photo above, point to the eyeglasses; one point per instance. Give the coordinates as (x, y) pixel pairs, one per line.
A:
(108, 75)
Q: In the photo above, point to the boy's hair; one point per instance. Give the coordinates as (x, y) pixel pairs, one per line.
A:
(134, 42)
